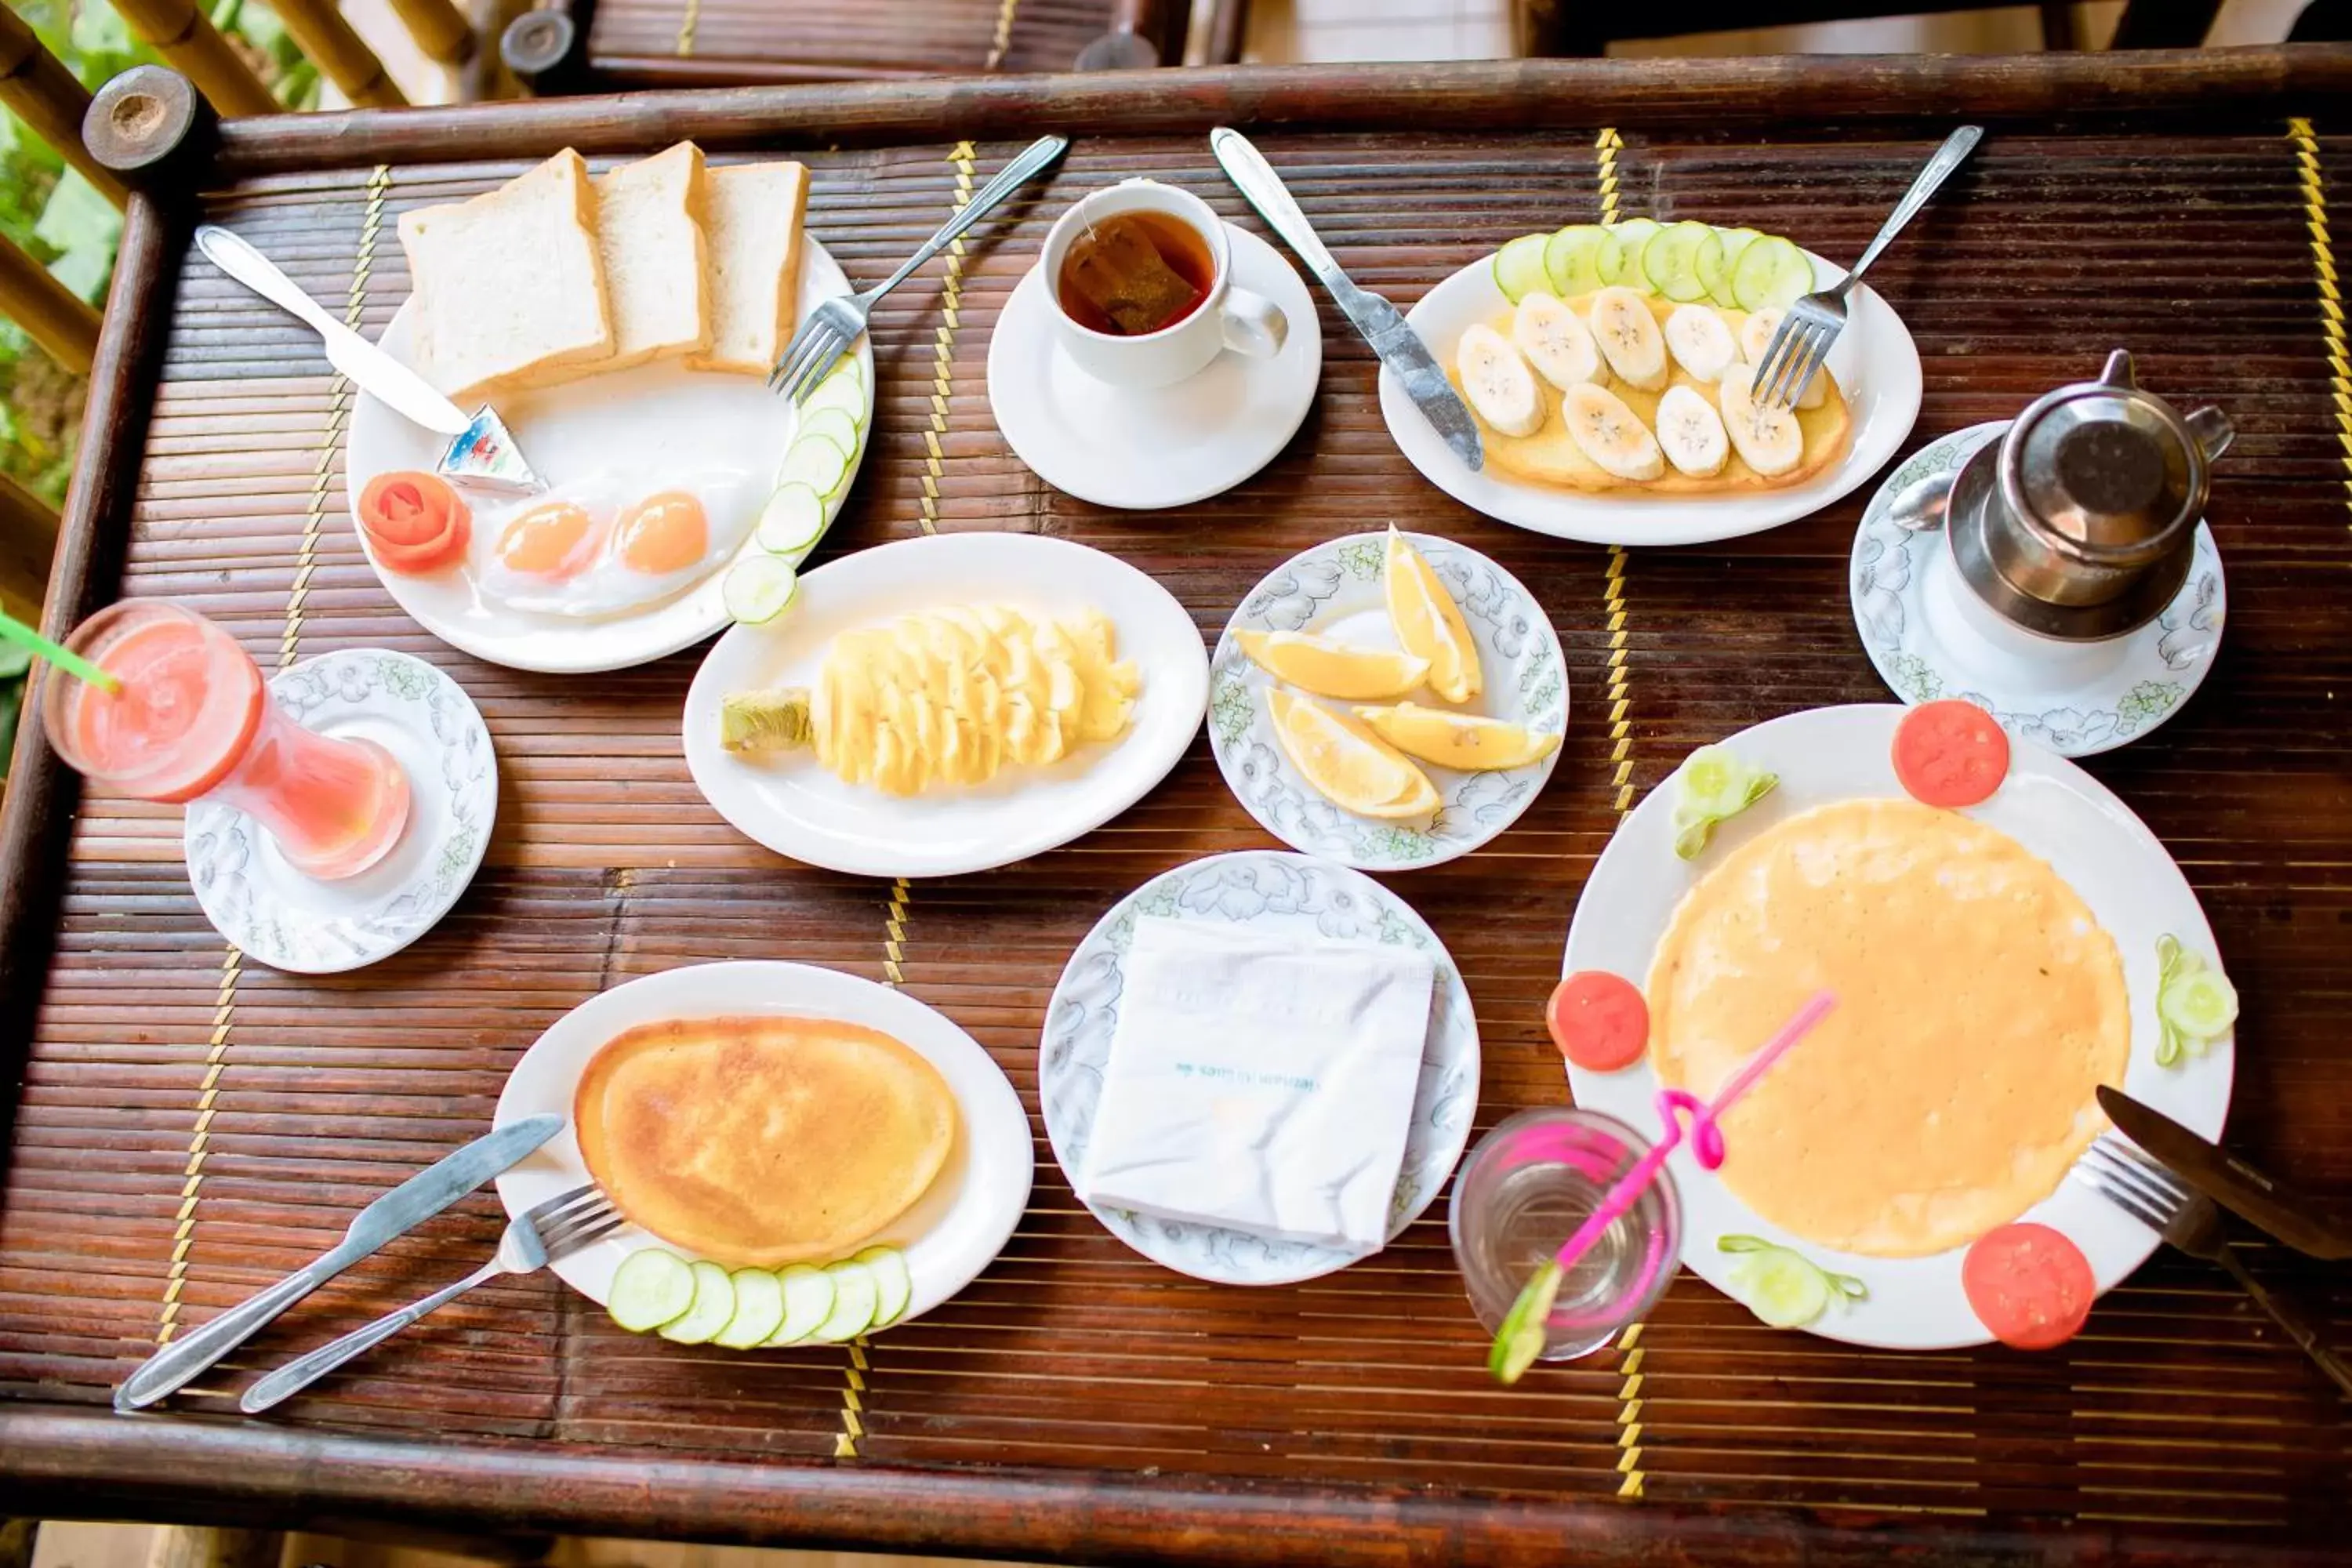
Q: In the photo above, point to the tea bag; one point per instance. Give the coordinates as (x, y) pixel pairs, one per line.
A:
(1118, 271)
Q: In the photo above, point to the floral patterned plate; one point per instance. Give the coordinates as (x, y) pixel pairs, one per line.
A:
(284, 918)
(2075, 700)
(1335, 590)
(1279, 894)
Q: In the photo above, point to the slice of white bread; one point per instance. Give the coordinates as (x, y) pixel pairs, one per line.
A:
(510, 283)
(649, 235)
(754, 227)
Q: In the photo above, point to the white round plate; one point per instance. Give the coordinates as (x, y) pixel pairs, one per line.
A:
(1336, 590)
(955, 1229)
(1143, 449)
(650, 423)
(2047, 804)
(1875, 361)
(1279, 895)
(289, 921)
(2077, 701)
(796, 807)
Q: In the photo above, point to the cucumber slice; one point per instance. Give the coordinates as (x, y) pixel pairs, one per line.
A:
(1573, 258)
(714, 1304)
(650, 1288)
(1781, 1288)
(1519, 267)
(1634, 235)
(793, 521)
(1677, 259)
(2199, 1002)
(1736, 242)
(1771, 274)
(1713, 782)
(837, 426)
(843, 389)
(808, 1301)
(817, 461)
(895, 1285)
(758, 1307)
(854, 1297)
(759, 587)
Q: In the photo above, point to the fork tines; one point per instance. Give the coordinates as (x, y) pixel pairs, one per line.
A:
(1800, 343)
(2134, 1183)
(570, 1221)
(813, 351)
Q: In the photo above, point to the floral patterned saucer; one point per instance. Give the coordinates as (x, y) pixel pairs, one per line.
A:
(284, 918)
(1336, 589)
(1284, 895)
(2077, 699)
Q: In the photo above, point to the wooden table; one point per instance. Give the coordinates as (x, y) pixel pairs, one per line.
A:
(190, 1126)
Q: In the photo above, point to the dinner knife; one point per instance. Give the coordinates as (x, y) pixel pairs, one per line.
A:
(2260, 1199)
(418, 1199)
(1380, 323)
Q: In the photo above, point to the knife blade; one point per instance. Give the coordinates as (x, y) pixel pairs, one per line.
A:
(374, 371)
(1377, 320)
(418, 1199)
(2260, 1199)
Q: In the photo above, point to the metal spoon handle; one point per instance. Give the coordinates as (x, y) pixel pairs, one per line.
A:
(2290, 1318)
(1948, 157)
(1033, 159)
(303, 1370)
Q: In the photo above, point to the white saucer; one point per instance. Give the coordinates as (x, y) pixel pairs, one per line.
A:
(2078, 700)
(288, 920)
(1144, 450)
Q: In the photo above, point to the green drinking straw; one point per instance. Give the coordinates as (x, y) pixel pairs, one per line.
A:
(15, 631)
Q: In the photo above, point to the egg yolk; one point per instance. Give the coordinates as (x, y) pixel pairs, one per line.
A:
(662, 533)
(551, 541)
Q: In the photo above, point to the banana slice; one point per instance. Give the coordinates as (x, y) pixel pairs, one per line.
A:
(1612, 435)
(1555, 341)
(1690, 431)
(1767, 439)
(1500, 386)
(1756, 336)
(1629, 338)
(1701, 343)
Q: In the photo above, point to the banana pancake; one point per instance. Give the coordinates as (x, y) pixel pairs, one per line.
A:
(759, 1141)
(1979, 1008)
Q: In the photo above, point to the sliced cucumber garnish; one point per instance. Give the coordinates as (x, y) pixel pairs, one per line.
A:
(1675, 258)
(758, 1307)
(1634, 235)
(2201, 1004)
(1736, 242)
(893, 1285)
(714, 1305)
(1519, 267)
(817, 461)
(1573, 258)
(854, 1297)
(808, 1301)
(1713, 784)
(650, 1288)
(843, 388)
(1782, 1289)
(758, 588)
(837, 426)
(793, 521)
(1771, 274)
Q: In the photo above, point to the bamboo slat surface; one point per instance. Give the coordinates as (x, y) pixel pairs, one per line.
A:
(638, 42)
(190, 1126)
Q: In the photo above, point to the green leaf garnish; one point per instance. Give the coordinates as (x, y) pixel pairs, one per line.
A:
(1520, 1340)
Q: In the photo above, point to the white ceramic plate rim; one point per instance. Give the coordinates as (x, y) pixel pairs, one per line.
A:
(2054, 809)
(993, 1166)
(1874, 359)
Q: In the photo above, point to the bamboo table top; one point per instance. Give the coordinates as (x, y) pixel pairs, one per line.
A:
(189, 1126)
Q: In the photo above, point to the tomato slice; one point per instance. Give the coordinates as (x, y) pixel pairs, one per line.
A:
(1950, 753)
(1599, 1020)
(416, 521)
(2028, 1284)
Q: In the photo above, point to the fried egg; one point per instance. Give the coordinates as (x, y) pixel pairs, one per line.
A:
(610, 546)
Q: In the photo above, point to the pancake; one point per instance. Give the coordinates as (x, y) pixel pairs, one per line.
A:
(1979, 1008)
(759, 1141)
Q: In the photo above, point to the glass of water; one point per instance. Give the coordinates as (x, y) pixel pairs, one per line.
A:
(1526, 1188)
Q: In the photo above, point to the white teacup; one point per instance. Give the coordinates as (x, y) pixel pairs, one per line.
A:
(1230, 318)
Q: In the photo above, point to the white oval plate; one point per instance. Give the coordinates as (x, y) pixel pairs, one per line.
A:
(1875, 361)
(2047, 804)
(666, 418)
(954, 1230)
(1282, 895)
(796, 807)
(1336, 589)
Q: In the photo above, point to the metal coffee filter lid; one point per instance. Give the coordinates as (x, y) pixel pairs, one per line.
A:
(2108, 474)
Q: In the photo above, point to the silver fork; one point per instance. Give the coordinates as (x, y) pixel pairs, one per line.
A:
(835, 324)
(554, 1229)
(1803, 339)
(2153, 1195)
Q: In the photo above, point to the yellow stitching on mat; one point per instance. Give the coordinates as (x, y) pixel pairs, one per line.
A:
(2331, 297)
(1604, 149)
(686, 26)
(192, 1173)
(1004, 39)
(943, 348)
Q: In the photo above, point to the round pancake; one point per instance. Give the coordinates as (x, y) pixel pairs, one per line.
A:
(759, 1141)
(1979, 1008)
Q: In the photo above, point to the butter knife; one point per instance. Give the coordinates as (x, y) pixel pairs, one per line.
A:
(1380, 323)
(2259, 1199)
(416, 1199)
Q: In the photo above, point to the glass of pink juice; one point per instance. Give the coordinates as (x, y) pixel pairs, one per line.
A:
(194, 720)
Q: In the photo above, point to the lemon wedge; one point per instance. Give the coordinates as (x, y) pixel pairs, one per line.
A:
(1346, 763)
(1429, 623)
(1462, 741)
(1330, 669)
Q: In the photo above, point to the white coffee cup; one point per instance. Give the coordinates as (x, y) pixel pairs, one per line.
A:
(1230, 318)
